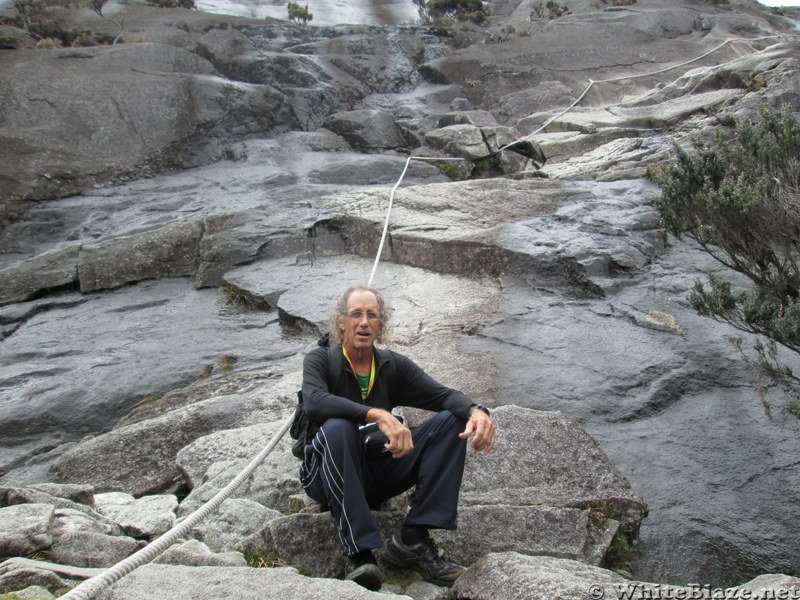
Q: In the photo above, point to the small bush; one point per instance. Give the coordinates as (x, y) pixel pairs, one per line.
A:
(9, 42)
(739, 199)
(49, 44)
(549, 9)
(172, 3)
(461, 10)
(299, 14)
(227, 363)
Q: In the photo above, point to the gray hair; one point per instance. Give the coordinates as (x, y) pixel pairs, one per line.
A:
(340, 309)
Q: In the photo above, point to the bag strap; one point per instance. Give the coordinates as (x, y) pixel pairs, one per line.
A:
(334, 365)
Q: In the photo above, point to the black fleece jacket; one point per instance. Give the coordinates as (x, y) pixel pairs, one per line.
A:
(404, 385)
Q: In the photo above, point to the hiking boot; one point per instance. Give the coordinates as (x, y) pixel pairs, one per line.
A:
(365, 573)
(423, 558)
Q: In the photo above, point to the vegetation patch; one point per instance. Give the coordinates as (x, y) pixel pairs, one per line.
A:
(262, 559)
(146, 400)
(548, 10)
(236, 296)
(299, 14)
(738, 198)
(438, 11)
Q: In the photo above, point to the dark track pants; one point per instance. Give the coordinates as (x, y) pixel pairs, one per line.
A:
(338, 473)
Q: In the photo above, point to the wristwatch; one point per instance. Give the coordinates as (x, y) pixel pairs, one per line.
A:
(483, 408)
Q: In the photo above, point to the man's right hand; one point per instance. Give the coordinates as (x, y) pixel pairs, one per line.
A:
(399, 436)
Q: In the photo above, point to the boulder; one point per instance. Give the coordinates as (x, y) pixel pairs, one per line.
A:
(139, 458)
(546, 488)
(212, 461)
(17, 573)
(141, 518)
(194, 553)
(547, 459)
(30, 495)
(45, 272)
(87, 549)
(310, 542)
(25, 529)
(513, 576)
(478, 118)
(34, 592)
(169, 251)
(243, 583)
(236, 525)
(82, 494)
(367, 130)
(464, 141)
(68, 521)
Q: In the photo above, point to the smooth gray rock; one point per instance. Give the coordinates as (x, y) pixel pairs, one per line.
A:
(14, 578)
(546, 458)
(34, 592)
(678, 403)
(194, 553)
(513, 576)
(17, 573)
(547, 530)
(243, 583)
(169, 251)
(143, 115)
(87, 549)
(310, 542)
(29, 495)
(478, 118)
(139, 458)
(142, 518)
(82, 494)
(68, 521)
(25, 529)
(236, 525)
(464, 141)
(54, 269)
(211, 462)
(367, 130)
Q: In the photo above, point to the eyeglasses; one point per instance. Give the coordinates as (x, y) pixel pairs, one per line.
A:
(357, 315)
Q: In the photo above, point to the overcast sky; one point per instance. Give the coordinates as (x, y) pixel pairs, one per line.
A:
(780, 2)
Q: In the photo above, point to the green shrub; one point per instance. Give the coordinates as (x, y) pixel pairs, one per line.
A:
(9, 41)
(739, 199)
(549, 9)
(172, 3)
(461, 10)
(299, 14)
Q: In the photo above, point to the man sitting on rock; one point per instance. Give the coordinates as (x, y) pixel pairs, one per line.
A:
(351, 477)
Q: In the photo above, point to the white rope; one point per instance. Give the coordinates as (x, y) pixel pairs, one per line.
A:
(592, 82)
(92, 586)
(386, 224)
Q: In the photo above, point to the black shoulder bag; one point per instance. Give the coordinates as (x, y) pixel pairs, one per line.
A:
(299, 429)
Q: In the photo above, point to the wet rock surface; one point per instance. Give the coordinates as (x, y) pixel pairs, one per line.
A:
(554, 294)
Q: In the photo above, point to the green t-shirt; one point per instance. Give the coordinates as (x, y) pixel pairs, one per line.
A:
(363, 383)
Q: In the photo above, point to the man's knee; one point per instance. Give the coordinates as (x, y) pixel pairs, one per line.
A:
(446, 420)
(339, 430)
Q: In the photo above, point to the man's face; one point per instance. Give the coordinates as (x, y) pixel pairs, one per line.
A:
(362, 324)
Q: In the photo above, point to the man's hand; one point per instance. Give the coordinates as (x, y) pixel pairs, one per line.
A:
(481, 425)
(399, 436)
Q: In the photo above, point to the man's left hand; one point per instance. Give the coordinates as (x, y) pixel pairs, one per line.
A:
(481, 425)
